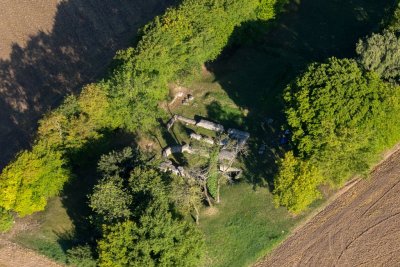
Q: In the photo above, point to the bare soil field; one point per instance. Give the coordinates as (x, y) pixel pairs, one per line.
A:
(359, 228)
(50, 48)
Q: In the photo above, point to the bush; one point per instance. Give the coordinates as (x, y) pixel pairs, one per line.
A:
(6, 220)
(296, 184)
(81, 256)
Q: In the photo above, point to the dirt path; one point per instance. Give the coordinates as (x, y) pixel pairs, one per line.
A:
(360, 228)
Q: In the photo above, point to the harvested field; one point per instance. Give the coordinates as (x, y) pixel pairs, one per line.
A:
(359, 228)
(50, 48)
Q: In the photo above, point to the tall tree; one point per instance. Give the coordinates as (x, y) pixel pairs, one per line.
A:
(335, 111)
(187, 195)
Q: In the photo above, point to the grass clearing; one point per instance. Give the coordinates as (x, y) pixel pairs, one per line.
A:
(246, 226)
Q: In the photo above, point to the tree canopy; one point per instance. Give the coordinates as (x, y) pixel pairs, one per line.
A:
(334, 110)
(34, 176)
(380, 53)
(140, 215)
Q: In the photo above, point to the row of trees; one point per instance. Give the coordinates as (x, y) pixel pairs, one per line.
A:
(343, 113)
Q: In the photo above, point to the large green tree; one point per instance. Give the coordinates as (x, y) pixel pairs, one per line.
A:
(35, 176)
(336, 113)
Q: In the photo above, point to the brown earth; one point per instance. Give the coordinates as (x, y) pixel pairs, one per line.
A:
(359, 228)
(50, 48)
(12, 255)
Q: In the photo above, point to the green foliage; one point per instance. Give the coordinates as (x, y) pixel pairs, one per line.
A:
(268, 9)
(186, 194)
(335, 111)
(81, 256)
(6, 220)
(172, 47)
(117, 163)
(77, 120)
(394, 22)
(381, 53)
(153, 235)
(33, 177)
(110, 201)
(141, 224)
(156, 240)
(296, 184)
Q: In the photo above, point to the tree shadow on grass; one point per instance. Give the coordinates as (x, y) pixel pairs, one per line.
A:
(255, 74)
(85, 36)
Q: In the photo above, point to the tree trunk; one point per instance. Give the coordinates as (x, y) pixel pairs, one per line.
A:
(197, 214)
(218, 185)
(207, 196)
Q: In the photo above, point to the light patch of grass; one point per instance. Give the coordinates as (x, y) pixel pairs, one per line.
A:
(246, 226)
(55, 226)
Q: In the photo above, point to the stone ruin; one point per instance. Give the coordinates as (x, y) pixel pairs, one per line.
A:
(225, 155)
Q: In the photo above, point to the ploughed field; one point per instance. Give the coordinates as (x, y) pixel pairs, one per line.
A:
(359, 228)
(50, 48)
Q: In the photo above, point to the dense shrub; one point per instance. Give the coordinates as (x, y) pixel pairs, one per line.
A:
(77, 120)
(6, 220)
(156, 240)
(296, 184)
(110, 201)
(394, 21)
(81, 256)
(149, 232)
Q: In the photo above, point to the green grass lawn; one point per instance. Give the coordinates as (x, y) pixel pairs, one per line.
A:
(246, 226)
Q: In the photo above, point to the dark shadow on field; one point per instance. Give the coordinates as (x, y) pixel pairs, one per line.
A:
(255, 74)
(85, 176)
(85, 36)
